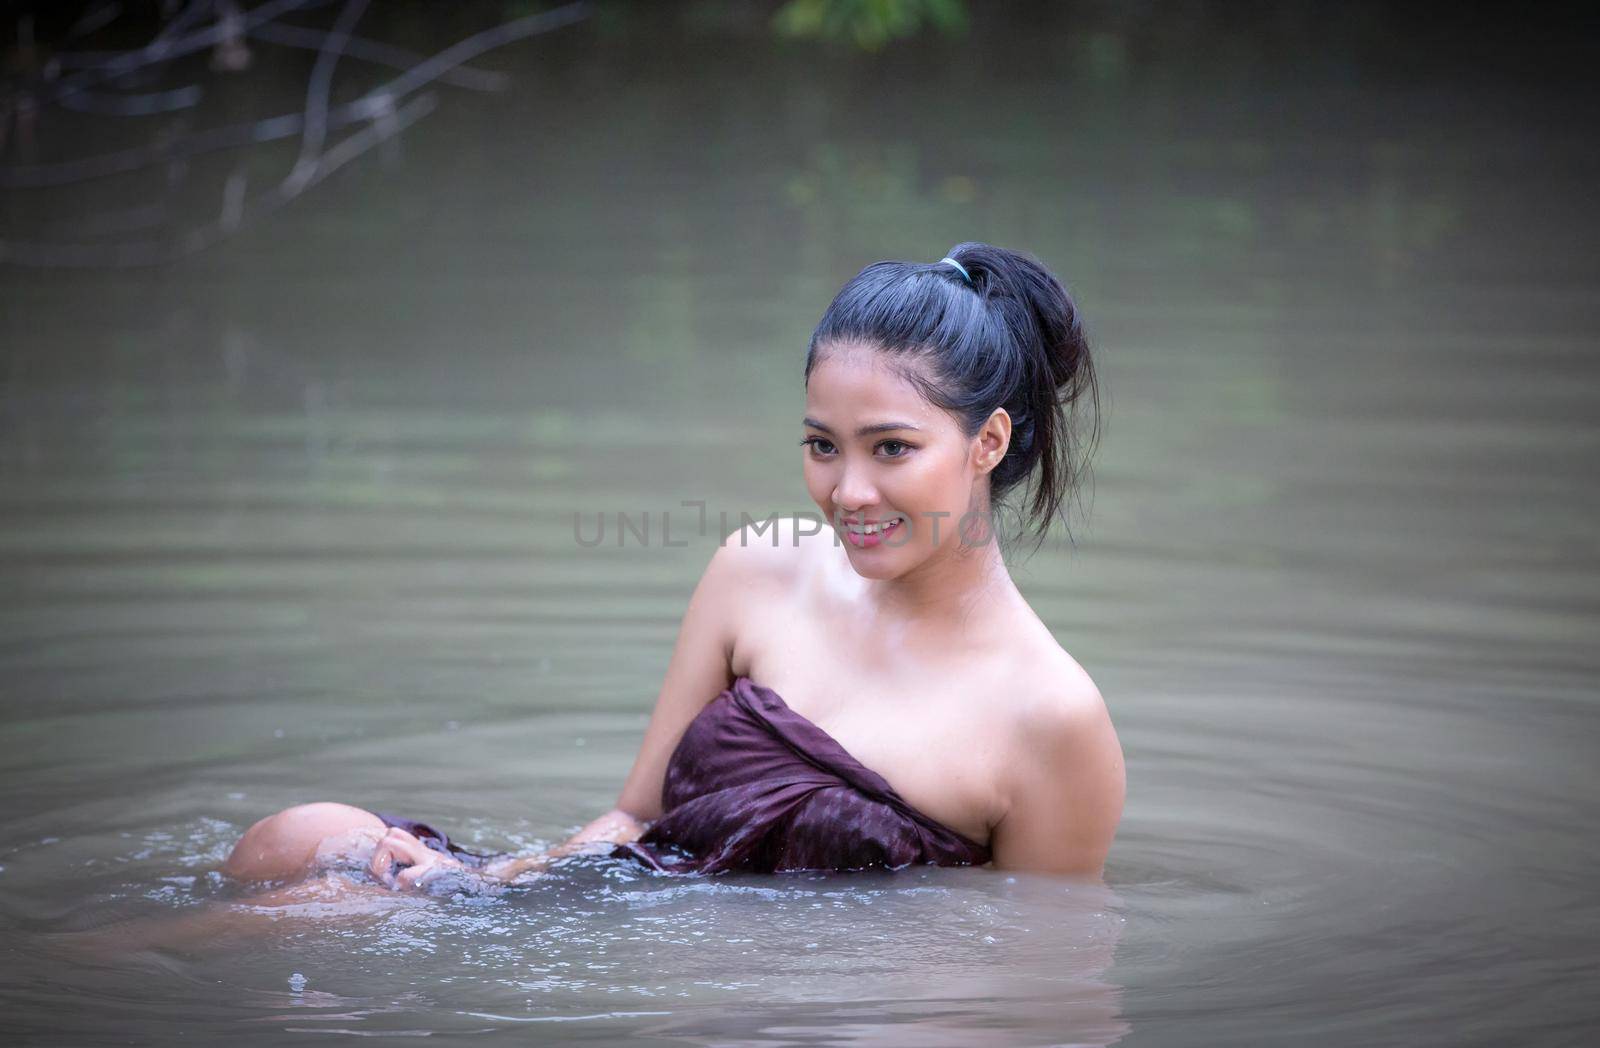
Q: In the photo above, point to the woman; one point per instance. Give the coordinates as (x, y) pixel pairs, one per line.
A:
(877, 692)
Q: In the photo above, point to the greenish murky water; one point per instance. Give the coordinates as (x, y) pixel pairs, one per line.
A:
(291, 519)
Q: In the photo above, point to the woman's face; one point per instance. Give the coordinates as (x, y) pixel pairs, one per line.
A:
(876, 451)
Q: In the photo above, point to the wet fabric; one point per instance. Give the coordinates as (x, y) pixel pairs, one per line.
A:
(754, 786)
(436, 839)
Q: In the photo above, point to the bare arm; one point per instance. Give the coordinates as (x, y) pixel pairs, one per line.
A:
(1067, 789)
(614, 827)
(700, 668)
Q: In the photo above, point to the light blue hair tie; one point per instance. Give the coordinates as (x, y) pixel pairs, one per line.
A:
(959, 266)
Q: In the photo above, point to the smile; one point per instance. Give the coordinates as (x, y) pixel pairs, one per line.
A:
(872, 529)
(867, 536)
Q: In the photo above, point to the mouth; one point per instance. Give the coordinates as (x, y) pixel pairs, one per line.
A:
(877, 527)
(874, 528)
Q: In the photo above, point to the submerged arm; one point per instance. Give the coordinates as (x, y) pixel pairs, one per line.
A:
(700, 667)
(698, 670)
(614, 827)
(401, 861)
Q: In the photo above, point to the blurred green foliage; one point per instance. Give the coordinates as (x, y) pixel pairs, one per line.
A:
(864, 24)
(868, 24)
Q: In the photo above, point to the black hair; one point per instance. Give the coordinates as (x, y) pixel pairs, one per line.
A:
(1004, 335)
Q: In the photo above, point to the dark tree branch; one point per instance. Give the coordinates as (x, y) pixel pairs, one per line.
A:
(383, 111)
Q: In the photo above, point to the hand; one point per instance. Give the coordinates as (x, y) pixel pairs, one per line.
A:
(402, 862)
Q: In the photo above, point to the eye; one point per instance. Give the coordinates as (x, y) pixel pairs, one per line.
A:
(896, 443)
(818, 444)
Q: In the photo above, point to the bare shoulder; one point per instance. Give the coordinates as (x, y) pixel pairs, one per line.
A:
(1055, 714)
(774, 551)
(1054, 692)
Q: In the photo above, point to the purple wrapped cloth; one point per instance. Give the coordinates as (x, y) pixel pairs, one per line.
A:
(754, 786)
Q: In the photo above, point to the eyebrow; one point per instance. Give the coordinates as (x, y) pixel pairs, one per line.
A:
(876, 427)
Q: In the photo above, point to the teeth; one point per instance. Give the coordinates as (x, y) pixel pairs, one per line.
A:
(871, 529)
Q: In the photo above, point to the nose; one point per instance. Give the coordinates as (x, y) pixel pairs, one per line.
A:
(855, 490)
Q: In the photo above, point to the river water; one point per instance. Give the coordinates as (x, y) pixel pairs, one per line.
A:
(292, 519)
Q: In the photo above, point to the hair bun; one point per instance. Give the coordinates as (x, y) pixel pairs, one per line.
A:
(983, 328)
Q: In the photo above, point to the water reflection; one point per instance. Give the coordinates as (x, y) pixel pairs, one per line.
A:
(943, 953)
(95, 82)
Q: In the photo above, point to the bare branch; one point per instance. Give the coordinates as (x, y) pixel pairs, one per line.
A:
(473, 46)
(151, 104)
(35, 176)
(163, 49)
(379, 110)
(379, 54)
(136, 253)
(315, 126)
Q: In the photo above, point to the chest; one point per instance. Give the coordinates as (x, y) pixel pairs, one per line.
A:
(933, 727)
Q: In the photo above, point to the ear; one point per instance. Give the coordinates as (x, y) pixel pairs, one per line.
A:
(992, 441)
